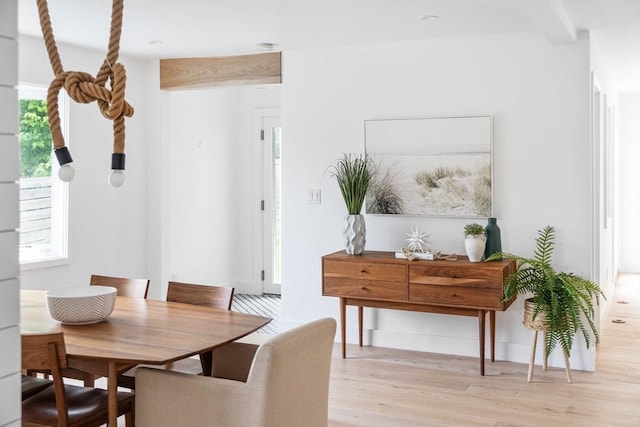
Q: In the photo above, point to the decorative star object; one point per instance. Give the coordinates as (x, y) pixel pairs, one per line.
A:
(418, 240)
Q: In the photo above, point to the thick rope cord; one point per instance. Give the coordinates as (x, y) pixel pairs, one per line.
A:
(84, 88)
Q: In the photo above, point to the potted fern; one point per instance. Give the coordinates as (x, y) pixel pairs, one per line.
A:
(354, 173)
(561, 303)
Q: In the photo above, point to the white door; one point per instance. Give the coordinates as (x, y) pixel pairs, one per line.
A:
(271, 173)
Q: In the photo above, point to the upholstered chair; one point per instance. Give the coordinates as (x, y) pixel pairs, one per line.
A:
(281, 383)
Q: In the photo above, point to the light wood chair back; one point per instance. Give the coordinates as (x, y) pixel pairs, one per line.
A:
(209, 296)
(37, 352)
(47, 352)
(130, 288)
(64, 404)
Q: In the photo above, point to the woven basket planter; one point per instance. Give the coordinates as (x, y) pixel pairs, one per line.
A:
(529, 322)
(538, 325)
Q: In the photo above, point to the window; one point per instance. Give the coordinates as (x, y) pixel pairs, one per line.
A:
(43, 197)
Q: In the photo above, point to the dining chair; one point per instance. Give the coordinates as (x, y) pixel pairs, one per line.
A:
(188, 293)
(205, 295)
(281, 383)
(130, 288)
(64, 404)
(32, 385)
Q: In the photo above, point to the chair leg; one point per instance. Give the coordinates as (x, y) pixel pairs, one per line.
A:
(130, 417)
(567, 368)
(533, 355)
(129, 420)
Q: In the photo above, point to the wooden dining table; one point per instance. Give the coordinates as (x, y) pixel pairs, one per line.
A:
(138, 331)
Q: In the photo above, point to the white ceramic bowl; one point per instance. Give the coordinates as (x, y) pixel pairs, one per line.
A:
(81, 305)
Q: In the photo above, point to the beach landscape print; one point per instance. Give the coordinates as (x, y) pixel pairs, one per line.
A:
(432, 167)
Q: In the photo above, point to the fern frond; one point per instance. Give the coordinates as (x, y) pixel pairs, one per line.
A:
(544, 245)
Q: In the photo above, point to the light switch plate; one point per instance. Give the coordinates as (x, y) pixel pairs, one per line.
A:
(313, 197)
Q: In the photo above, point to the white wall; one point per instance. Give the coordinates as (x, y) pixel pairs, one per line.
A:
(539, 97)
(107, 233)
(158, 177)
(629, 173)
(9, 218)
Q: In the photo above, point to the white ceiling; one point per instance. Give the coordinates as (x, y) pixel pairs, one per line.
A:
(184, 28)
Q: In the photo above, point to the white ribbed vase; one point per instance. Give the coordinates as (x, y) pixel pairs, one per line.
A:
(355, 233)
(474, 246)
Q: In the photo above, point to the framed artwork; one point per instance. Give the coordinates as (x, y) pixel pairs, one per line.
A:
(432, 167)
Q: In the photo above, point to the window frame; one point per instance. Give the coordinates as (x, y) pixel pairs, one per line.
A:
(57, 252)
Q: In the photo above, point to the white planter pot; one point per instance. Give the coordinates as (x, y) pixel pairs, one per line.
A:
(474, 246)
(355, 233)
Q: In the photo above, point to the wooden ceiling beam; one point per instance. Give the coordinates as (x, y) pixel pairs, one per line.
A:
(190, 73)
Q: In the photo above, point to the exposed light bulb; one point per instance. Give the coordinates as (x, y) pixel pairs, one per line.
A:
(66, 172)
(116, 178)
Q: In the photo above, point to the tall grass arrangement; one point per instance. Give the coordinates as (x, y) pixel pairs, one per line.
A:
(353, 173)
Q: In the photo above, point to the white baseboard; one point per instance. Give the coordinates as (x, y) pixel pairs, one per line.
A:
(581, 358)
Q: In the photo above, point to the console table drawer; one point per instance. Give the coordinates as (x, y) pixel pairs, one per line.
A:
(455, 296)
(455, 276)
(365, 270)
(365, 289)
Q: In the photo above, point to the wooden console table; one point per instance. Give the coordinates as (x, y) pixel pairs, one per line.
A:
(379, 280)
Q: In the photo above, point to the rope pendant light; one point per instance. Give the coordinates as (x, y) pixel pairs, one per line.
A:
(84, 88)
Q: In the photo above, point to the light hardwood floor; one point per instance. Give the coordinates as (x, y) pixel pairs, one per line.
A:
(388, 387)
(395, 388)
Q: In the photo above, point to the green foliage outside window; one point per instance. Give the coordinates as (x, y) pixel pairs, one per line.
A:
(35, 139)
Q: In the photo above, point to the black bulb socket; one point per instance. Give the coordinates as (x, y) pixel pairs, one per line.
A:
(63, 156)
(117, 161)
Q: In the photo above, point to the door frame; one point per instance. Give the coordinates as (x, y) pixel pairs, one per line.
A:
(261, 253)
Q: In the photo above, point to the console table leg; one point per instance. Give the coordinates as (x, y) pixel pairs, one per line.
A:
(343, 327)
(481, 330)
(492, 333)
(360, 310)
